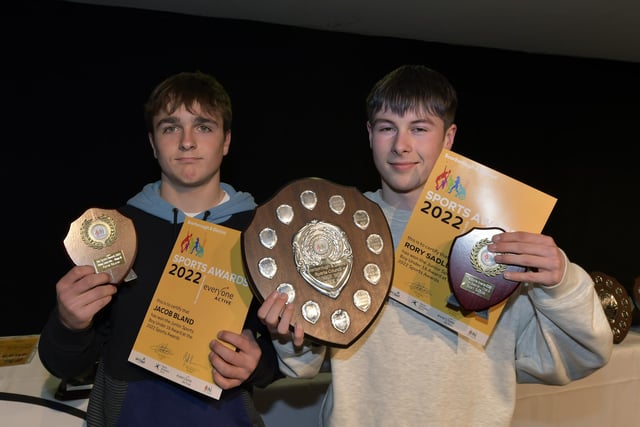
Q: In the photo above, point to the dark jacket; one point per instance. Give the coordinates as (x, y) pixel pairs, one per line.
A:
(123, 393)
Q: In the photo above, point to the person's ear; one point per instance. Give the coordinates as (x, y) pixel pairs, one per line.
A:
(153, 145)
(449, 136)
(369, 132)
(227, 142)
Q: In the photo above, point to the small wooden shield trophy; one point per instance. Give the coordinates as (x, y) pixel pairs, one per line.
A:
(329, 248)
(476, 279)
(105, 239)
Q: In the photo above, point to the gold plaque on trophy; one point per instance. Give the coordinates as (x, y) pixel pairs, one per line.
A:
(105, 239)
(329, 248)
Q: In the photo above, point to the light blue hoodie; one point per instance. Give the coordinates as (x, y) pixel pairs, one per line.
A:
(149, 200)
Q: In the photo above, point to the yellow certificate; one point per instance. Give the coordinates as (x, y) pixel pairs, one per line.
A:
(203, 290)
(460, 195)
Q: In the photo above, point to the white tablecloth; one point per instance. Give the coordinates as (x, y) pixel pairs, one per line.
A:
(610, 397)
(27, 398)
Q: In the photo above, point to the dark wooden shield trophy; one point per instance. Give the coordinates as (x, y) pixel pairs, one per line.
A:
(476, 280)
(616, 304)
(636, 292)
(329, 248)
(105, 239)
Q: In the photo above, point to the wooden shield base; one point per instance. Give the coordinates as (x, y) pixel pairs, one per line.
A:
(278, 234)
(105, 239)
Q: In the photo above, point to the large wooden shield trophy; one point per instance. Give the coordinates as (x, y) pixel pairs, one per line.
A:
(329, 248)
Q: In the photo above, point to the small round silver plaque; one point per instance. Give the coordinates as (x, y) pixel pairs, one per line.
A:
(268, 267)
(362, 300)
(375, 243)
(311, 311)
(308, 199)
(340, 320)
(285, 214)
(287, 288)
(361, 219)
(372, 273)
(268, 238)
(337, 204)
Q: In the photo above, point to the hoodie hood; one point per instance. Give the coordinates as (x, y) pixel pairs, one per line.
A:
(149, 200)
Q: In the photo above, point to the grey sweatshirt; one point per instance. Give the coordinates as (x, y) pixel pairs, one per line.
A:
(407, 370)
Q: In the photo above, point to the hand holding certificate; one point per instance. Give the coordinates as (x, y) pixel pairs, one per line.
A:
(202, 291)
(462, 195)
